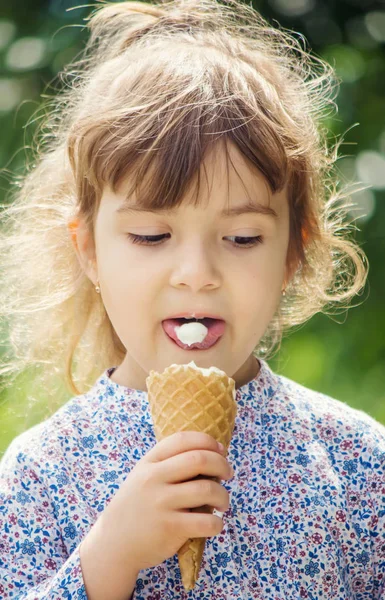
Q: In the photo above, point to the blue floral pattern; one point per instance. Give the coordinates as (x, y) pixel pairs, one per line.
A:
(307, 502)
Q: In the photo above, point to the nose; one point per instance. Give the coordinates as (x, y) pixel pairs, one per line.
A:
(195, 267)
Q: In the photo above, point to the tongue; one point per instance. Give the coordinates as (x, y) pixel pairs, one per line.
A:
(215, 328)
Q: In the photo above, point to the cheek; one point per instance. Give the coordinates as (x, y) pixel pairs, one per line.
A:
(126, 285)
(267, 268)
(123, 265)
(263, 282)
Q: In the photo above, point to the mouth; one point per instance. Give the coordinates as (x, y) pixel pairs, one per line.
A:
(196, 316)
(216, 328)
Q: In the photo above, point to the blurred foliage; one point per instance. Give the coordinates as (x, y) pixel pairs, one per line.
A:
(342, 356)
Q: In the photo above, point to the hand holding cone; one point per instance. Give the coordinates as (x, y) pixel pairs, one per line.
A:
(187, 398)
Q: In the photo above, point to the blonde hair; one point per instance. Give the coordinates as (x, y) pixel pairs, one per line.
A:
(158, 86)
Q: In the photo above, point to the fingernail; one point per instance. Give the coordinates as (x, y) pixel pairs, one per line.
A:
(221, 447)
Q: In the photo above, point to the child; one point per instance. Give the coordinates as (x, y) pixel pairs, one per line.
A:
(106, 244)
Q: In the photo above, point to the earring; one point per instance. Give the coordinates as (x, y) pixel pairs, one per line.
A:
(97, 288)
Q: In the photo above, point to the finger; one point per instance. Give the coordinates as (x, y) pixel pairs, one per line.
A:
(194, 494)
(188, 465)
(204, 525)
(181, 442)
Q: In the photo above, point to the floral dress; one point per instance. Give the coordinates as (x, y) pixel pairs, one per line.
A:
(307, 502)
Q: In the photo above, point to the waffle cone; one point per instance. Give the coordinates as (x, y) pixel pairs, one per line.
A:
(186, 398)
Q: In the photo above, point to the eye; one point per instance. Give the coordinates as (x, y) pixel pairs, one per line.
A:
(247, 241)
(148, 240)
(156, 240)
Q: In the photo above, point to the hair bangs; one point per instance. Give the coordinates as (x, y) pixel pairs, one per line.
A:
(162, 173)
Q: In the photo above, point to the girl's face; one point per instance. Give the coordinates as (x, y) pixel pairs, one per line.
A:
(198, 265)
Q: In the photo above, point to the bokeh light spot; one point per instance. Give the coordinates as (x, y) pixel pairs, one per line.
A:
(7, 32)
(25, 54)
(375, 22)
(10, 94)
(370, 167)
(364, 205)
(294, 8)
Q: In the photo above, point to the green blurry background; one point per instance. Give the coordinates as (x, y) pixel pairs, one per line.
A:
(341, 356)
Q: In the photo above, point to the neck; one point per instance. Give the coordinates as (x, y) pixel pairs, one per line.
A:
(248, 371)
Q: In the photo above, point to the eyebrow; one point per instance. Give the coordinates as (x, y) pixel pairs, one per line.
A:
(253, 208)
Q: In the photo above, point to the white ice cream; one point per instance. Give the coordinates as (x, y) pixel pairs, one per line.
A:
(205, 372)
(191, 333)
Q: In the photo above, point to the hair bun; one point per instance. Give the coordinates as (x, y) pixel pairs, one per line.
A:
(116, 26)
(117, 10)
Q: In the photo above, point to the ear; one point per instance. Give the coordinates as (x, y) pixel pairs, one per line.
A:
(84, 246)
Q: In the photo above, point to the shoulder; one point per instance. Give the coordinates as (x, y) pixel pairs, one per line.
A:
(352, 441)
(319, 410)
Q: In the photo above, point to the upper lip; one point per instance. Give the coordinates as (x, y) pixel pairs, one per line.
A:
(196, 315)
